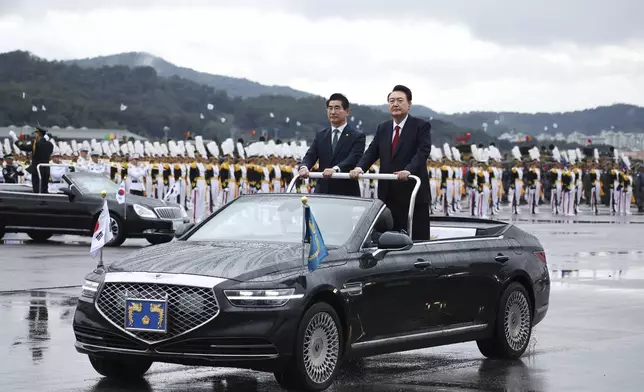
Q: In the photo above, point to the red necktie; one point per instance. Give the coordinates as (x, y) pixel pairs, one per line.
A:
(394, 142)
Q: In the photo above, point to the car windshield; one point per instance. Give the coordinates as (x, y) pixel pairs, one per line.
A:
(280, 219)
(90, 183)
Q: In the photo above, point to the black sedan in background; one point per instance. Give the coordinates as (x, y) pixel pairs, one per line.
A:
(235, 291)
(76, 205)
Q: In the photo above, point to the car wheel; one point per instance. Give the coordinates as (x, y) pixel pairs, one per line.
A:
(120, 369)
(317, 351)
(156, 240)
(118, 231)
(39, 236)
(513, 327)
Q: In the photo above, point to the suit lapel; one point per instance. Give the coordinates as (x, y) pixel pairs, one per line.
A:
(389, 134)
(404, 134)
(344, 136)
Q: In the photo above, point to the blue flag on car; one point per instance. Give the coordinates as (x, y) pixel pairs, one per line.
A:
(318, 251)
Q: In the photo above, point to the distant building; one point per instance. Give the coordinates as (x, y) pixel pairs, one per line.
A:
(71, 133)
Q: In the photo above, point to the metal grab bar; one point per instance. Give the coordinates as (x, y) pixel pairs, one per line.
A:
(48, 165)
(368, 176)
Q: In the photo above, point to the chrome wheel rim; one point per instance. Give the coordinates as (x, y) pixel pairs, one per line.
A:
(321, 347)
(517, 321)
(114, 228)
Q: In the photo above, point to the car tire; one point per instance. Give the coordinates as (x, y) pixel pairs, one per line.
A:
(39, 236)
(121, 235)
(318, 350)
(156, 240)
(120, 369)
(513, 325)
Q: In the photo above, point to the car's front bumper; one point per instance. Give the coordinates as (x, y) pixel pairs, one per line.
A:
(259, 339)
(143, 228)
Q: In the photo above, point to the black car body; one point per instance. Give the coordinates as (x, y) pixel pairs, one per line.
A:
(238, 293)
(76, 206)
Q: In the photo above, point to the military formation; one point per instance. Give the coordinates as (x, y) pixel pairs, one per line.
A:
(203, 176)
(568, 182)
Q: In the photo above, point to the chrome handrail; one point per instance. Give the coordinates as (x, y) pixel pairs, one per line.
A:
(369, 176)
(48, 165)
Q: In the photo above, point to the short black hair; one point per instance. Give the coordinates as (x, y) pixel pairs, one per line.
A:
(402, 89)
(338, 97)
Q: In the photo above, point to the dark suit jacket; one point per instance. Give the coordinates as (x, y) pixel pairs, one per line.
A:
(42, 154)
(346, 156)
(411, 154)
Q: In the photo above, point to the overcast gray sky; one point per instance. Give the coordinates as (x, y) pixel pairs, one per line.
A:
(457, 55)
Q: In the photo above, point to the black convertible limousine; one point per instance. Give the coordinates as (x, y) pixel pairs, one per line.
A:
(233, 292)
(75, 207)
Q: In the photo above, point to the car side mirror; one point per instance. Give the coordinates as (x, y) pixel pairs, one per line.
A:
(392, 240)
(68, 191)
(183, 229)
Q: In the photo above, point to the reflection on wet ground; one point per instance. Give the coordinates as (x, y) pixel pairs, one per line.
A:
(591, 340)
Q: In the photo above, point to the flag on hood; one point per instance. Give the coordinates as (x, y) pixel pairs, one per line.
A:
(120, 193)
(102, 233)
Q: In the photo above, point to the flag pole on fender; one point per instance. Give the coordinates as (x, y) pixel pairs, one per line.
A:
(305, 207)
(102, 232)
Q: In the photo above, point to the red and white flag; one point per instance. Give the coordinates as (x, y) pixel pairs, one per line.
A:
(102, 233)
(120, 193)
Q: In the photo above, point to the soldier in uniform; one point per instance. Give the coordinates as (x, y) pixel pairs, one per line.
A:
(639, 188)
(516, 181)
(566, 190)
(595, 187)
(40, 150)
(136, 176)
(533, 181)
(11, 171)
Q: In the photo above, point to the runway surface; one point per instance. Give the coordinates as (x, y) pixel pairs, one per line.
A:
(591, 340)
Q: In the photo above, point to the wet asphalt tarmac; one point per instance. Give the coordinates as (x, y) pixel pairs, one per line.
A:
(591, 340)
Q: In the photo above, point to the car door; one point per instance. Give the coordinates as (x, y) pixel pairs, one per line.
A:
(394, 295)
(470, 281)
(70, 213)
(11, 209)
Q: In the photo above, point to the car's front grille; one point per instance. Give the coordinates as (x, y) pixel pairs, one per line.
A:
(97, 337)
(169, 212)
(188, 307)
(225, 347)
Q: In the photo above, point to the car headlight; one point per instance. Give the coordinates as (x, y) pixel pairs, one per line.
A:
(89, 290)
(261, 298)
(144, 212)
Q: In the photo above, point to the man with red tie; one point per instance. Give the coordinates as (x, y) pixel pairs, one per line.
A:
(402, 145)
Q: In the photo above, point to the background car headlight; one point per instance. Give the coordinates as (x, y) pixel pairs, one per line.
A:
(144, 212)
(261, 298)
(89, 289)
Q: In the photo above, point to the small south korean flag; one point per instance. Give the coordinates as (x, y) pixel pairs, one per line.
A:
(120, 193)
(102, 233)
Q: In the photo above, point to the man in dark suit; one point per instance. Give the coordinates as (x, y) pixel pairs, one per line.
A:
(402, 146)
(337, 149)
(40, 150)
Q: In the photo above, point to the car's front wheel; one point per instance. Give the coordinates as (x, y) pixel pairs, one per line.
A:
(120, 369)
(156, 240)
(39, 236)
(118, 231)
(317, 351)
(513, 327)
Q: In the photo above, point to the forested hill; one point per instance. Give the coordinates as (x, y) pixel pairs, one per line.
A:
(92, 97)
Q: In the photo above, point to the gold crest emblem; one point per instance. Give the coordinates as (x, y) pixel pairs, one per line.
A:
(145, 320)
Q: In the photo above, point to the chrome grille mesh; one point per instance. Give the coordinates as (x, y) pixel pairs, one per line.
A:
(169, 212)
(188, 307)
